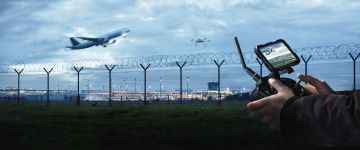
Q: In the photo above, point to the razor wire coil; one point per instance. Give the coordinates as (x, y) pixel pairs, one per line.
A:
(321, 53)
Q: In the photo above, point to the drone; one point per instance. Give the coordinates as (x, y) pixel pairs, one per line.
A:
(202, 41)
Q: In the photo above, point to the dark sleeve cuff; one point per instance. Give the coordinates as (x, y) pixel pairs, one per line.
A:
(289, 124)
(325, 120)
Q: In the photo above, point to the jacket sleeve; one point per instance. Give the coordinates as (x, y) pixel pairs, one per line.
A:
(325, 120)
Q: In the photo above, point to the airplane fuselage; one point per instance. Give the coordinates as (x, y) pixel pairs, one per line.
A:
(83, 45)
(103, 40)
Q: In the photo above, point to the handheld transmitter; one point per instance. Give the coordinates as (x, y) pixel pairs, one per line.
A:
(279, 58)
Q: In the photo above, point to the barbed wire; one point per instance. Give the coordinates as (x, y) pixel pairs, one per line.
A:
(322, 53)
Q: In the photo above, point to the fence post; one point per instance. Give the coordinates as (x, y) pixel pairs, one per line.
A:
(354, 66)
(306, 60)
(145, 68)
(78, 84)
(110, 79)
(48, 90)
(180, 67)
(160, 88)
(18, 90)
(168, 99)
(218, 66)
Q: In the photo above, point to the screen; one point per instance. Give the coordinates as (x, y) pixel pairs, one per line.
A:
(278, 54)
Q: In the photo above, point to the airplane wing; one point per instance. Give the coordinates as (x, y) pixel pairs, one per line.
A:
(91, 39)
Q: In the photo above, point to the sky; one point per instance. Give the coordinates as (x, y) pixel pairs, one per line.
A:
(39, 30)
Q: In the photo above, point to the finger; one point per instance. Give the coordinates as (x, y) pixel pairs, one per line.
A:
(261, 103)
(320, 85)
(310, 88)
(328, 88)
(310, 79)
(277, 84)
(255, 105)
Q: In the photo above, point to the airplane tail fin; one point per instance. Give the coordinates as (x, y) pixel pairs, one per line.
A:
(74, 42)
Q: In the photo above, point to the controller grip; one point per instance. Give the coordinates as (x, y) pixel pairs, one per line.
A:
(264, 89)
(296, 88)
(257, 94)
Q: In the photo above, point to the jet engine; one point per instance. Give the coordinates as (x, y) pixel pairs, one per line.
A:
(111, 41)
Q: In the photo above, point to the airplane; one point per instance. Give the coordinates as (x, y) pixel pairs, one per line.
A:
(102, 40)
(268, 52)
(200, 41)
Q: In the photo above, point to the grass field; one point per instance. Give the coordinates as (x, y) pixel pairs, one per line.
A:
(196, 126)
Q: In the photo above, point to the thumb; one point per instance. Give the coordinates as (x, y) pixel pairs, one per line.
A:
(281, 88)
(321, 86)
(256, 105)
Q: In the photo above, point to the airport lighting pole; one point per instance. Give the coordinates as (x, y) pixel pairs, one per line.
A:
(187, 87)
(47, 92)
(160, 88)
(124, 89)
(167, 94)
(88, 87)
(18, 90)
(218, 66)
(135, 88)
(113, 87)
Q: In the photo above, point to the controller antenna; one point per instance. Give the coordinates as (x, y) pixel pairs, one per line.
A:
(249, 71)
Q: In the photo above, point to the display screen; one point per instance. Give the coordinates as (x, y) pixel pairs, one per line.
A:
(278, 54)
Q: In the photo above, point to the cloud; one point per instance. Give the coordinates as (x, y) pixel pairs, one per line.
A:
(49, 24)
(79, 31)
(147, 19)
(220, 23)
(38, 31)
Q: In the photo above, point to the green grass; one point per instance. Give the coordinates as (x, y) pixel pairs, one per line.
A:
(65, 126)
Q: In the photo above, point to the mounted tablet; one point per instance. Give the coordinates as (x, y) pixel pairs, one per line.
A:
(277, 56)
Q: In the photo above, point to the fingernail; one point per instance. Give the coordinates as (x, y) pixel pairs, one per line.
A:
(248, 105)
(300, 75)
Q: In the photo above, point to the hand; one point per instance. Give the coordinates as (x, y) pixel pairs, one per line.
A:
(315, 86)
(269, 108)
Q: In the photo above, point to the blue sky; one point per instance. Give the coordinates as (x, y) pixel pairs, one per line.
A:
(38, 30)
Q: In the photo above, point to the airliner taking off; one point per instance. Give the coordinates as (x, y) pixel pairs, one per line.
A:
(103, 40)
